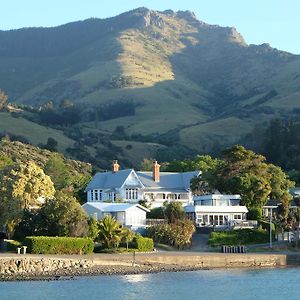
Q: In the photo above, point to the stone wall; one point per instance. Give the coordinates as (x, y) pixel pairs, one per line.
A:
(23, 265)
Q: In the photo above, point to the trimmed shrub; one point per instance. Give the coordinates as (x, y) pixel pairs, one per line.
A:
(238, 237)
(12, 245)
(59, 245)
(143, 243)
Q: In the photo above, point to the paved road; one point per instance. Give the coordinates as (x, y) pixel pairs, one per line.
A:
(199, 242)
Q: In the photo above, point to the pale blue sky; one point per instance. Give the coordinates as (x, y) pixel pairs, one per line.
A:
(260, 21)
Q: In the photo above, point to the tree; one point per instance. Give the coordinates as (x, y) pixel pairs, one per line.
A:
(57, 170)
(110, 232)
(22, 186)
(3, 100)
(127, 236)
(62, 215)
(51, 144)
(246, 173)
(93, 228)
(174, 212)
(146, 164)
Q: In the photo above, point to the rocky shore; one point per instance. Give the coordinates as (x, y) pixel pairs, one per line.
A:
(72, 272)
(55, 267)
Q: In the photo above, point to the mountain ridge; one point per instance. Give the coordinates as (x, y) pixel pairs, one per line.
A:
(200, 81)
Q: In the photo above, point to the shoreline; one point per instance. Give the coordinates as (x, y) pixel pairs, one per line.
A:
(117, 270)
(65, 267)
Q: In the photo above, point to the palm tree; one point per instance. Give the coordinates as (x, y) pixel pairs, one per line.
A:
(110, 232)
(127, 236)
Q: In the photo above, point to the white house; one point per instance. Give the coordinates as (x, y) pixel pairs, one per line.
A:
(216, 210)
(130, 186)
(128, 215)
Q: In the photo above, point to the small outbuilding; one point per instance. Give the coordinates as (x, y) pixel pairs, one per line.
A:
(128, 215)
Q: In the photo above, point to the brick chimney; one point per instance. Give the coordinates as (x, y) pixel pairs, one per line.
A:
(155, 171)
(115, 166)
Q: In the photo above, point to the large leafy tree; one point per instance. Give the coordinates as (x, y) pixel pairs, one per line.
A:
(246, 173)
(61, 215)
(22, 186)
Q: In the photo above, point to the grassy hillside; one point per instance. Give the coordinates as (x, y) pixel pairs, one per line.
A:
(34, 133)
(190, 82)
(20, 152)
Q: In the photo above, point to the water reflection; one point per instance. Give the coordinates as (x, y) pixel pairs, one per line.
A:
(135, 278)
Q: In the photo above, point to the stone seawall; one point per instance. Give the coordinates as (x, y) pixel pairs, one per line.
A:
(34, 267)
(28, 265)
(215, 260)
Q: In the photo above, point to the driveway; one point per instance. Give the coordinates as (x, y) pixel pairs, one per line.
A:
(199, 242)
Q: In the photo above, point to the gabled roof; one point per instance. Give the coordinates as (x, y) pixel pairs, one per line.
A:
(108, 180)
(114, 207)
(168, 180)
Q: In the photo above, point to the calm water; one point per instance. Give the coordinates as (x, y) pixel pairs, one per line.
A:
(212, 284)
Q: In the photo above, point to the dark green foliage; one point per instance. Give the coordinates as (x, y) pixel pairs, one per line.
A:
(143, 243)
(156, 213)
(254, 213)
(12, 245)
(59, 245)
(93, 231)
(238, 237)
(111, 111)
(178, 234)
(60, 216)
(244, 172)
(51, 145)
(266, 225)
(174, 212)
(279, 141)
(58, 171)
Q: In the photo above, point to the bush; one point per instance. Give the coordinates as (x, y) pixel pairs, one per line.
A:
(12, 245)
(143, 243)
(59, 245)
(177, 234)
(238, 237)
(254, 214)
(266, 225)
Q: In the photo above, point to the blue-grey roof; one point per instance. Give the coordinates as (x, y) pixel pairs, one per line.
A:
(108, 180)
(113, 207)
(168, 180)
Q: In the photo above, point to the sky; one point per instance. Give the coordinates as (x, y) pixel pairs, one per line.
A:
(276, 22)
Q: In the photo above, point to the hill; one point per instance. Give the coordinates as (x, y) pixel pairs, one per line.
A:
(190, 84)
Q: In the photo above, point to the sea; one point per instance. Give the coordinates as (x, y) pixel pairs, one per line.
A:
(234, 284)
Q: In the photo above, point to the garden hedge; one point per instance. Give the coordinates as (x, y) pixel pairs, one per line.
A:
(238, 237)
(143, 243)
(59, 245)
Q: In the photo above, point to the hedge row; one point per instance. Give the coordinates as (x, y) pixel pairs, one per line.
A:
(143, 243)
(238, 237)
(59, 245)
